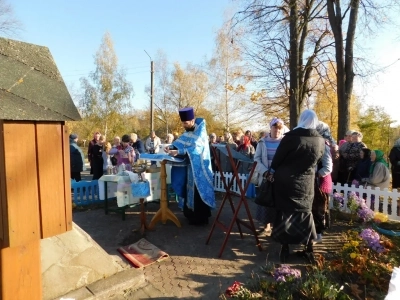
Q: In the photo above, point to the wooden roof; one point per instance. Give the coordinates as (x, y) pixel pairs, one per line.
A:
(31, 87)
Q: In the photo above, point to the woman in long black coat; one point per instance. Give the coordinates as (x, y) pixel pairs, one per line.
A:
(293, 167)
(394, 158)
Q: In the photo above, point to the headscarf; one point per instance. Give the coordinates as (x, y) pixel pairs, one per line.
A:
(324, 130)
(397, 143)
(246, 143)
(308, 120)
(379, 158)
(275, 120)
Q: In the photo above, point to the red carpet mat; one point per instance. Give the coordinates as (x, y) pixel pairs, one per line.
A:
(142, 253)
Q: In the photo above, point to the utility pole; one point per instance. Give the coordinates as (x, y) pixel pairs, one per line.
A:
(151, 93)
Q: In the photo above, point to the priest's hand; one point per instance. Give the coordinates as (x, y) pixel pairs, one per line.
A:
(173, 152)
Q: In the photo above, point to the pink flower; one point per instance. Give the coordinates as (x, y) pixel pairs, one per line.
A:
(233, 289)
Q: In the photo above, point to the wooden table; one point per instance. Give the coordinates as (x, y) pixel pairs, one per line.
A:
(125, 195)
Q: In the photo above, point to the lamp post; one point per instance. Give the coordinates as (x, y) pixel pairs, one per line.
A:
(151, 93)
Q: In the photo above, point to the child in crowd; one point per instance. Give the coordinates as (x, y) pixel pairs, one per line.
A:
(106, 157)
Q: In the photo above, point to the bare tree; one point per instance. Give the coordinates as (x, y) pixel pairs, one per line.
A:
(231, 78)
(9, 25)
(165, 111)
(285, 38)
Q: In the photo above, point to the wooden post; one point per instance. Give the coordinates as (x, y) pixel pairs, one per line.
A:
(164, 213)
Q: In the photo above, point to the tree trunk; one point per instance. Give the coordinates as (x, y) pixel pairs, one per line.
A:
(344, 61)
(348, 67)
(294, 101)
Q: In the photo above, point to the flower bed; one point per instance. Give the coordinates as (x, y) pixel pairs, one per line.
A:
(360, 270)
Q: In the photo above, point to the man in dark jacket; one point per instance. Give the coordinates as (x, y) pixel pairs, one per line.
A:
(77, 159)
(93, 142)
(293, 168)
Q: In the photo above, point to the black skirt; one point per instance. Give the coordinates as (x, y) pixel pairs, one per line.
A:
(294, 228)
(201, 211)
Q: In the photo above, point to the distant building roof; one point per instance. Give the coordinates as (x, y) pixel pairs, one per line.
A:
(31, 87)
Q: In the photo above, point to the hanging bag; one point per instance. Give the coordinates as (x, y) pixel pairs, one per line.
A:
(265, 196)
(254, 178)
(114, 160)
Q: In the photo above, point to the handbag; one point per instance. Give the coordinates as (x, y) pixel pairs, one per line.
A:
(114, 160)
(265, 196)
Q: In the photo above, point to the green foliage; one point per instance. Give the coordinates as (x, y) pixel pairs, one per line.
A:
(375, 125)
(318, 285)
(106, 93)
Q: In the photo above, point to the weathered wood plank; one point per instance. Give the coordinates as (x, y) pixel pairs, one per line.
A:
(51, 178)
(21, 183)
(67, 179)
(21, 272)
(3, 194)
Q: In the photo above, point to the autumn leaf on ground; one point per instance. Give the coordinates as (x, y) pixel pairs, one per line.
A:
(356, 291)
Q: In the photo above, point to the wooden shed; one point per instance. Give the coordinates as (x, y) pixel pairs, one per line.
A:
(35, 189)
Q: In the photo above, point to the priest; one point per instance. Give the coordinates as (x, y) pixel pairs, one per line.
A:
(193, 180)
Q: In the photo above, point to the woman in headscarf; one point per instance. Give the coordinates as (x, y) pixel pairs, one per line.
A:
(293, 169)
(379, 175)
(247, 149)
(265, 152)
(394, 158)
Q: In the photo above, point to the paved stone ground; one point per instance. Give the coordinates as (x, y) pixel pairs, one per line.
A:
(193, 270)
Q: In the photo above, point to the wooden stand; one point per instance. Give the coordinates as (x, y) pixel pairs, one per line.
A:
(164, 213)
(242, 201)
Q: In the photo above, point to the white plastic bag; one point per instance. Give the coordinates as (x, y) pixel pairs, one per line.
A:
(394, 285)
(254, 178)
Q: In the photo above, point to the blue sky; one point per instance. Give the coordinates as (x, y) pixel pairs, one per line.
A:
(72, 29)
(183, 29)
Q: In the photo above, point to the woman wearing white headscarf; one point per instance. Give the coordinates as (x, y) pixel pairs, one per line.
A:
(293, 168)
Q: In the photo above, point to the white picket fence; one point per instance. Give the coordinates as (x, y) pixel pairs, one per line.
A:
(386, 201)
(219, 185)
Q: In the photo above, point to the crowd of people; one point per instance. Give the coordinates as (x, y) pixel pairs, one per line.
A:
(103, 155)
(304, 163)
